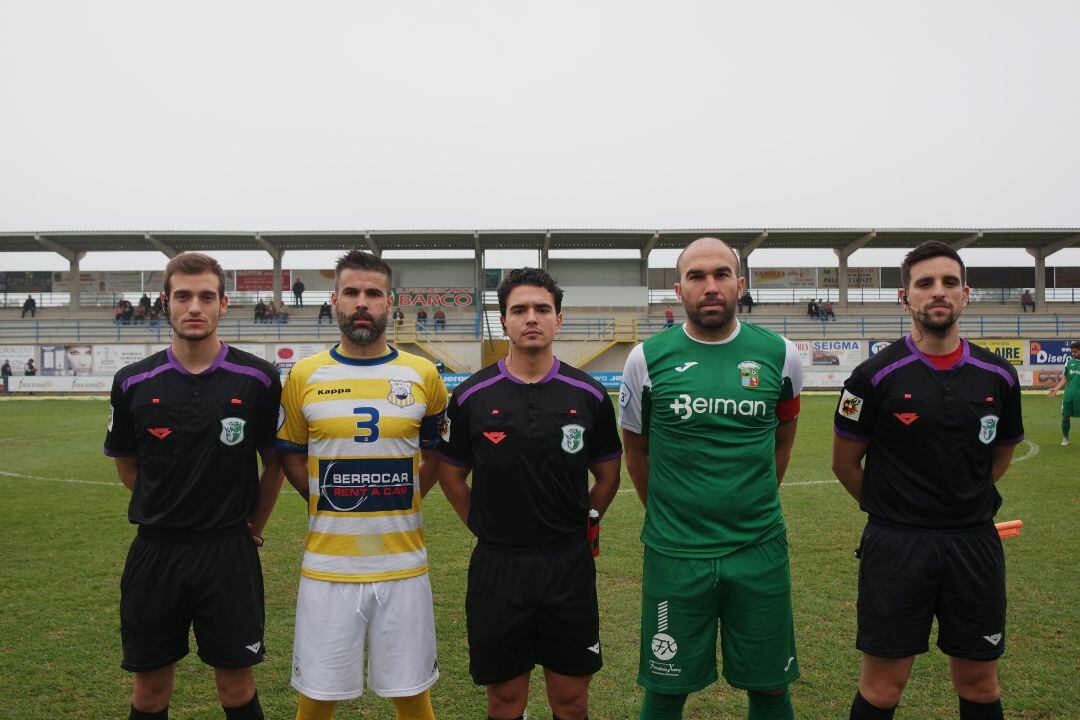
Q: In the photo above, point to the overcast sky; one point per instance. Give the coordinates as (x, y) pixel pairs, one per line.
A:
(408, 115)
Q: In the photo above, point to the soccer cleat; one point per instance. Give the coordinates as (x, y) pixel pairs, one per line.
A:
(1064, 442)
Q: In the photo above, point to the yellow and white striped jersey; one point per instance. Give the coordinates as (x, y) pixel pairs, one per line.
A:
(362, 422)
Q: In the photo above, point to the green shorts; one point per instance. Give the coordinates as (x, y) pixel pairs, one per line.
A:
(749, 592)
(1070, 406)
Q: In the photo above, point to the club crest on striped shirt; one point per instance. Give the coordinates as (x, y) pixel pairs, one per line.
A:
(401, 393)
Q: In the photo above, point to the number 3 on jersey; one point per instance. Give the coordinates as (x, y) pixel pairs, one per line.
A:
(369, 425)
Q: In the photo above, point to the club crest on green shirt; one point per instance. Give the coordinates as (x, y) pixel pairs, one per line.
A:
(749, 373)
(232, 430)
(573, 438)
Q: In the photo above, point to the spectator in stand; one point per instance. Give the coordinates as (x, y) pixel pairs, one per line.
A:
(144, 303)
(298, 293)
(260, 311)
(747, 301)
(139, 316)
(1027, 300)
(324, 312)
(280, 314)
(440, 320)
(155, 315)
(30, 368)
(29, 306)
(5, 370)
(421, 319)
(159, 307)
(129, 312)
(827, 310)
(669, 317)
(399, 318)
(812, 309)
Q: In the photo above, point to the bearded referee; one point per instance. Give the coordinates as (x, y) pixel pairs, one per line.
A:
(924, 430)
(185, 427)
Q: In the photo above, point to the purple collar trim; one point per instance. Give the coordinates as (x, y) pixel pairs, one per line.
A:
(930, 363)
(218, 360)
(551, 373)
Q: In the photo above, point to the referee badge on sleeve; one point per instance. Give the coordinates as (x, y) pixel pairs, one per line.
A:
(850, 406)
(232, 430)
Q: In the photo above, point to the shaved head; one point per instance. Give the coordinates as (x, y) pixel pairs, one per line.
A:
(704, 243)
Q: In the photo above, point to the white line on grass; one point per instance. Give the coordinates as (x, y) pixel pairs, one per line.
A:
(782, 485)
(1033, 450)
(21, 476)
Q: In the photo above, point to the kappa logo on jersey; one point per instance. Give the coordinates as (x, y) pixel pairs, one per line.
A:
(850, 406)
(333, 391)
(360, 485)
(232, 430)
(906, 418)
(687, 366)
(573, 438)
(749, 374)
(624, 395)
(988, 429)
(160, 432)
(495, 437)
(401, 393)
(686, 407)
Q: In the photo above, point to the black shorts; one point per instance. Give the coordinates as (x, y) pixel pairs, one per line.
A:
(909, 575)
(169, 585)
(532, 608)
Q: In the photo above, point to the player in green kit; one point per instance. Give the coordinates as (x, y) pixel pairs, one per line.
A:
(1070, 380)
(708, 414)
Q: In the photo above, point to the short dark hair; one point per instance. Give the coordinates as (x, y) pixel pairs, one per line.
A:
(193, 263)
(366, 262)
(926, 251)
(537, 277)
(1075, 345)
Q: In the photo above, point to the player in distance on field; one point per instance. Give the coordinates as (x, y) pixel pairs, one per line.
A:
(185, 427)
(531, 429)
(924, 430)
(709, 412)
(358, 432)
(1070, 380)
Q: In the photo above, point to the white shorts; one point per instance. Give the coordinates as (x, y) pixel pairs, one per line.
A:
(334, 618)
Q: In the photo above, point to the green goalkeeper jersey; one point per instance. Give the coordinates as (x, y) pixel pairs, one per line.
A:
(710, 412)
(1071, 372)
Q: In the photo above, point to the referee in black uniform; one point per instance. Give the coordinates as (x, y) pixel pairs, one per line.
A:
(185, 427)
(936, 419)
(531, 429)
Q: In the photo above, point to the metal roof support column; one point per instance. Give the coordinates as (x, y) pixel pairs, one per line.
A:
(73, 257)
(276, 254)
(842, 254)
(545, 249)
(745, 253)
(1040, 254)
(644, 262)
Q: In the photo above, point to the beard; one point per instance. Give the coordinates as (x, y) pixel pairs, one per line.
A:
(936, 326)
(361, 335)
(711, 321)
(193, 335)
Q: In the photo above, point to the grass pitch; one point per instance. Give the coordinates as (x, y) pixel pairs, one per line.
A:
(65, 537)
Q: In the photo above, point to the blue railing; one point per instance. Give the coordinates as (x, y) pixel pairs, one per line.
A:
(795, 326)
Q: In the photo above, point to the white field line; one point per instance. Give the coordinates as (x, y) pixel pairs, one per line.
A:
(16, 438)
(21, 476)
(1033, 450)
